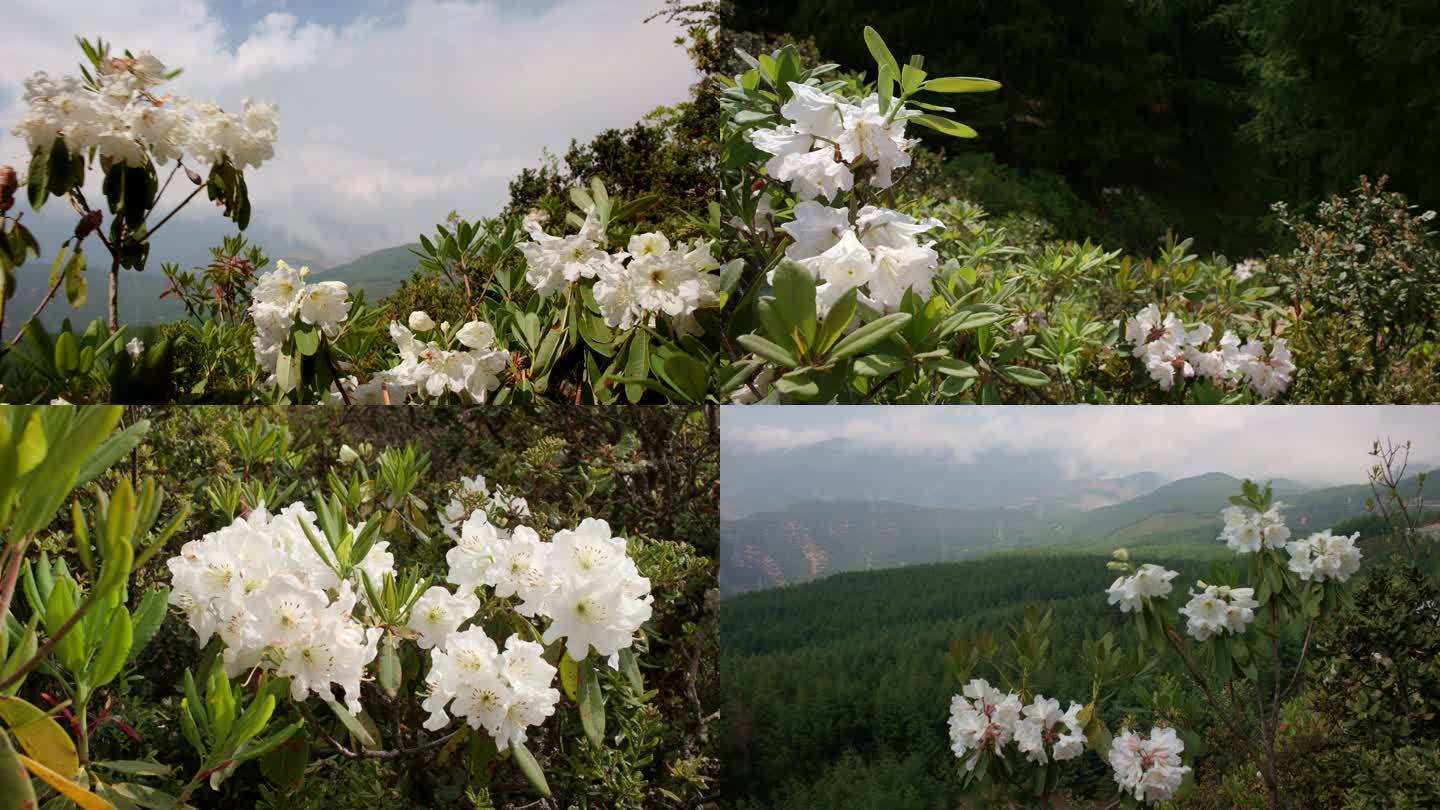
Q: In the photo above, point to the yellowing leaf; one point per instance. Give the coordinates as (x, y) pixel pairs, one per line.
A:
(82, 797)
(40, 736)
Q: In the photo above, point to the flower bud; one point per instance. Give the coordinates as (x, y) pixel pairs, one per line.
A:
(88, 224)
(1120, 554)
(8, 183)
(420, 322)
(348, 454)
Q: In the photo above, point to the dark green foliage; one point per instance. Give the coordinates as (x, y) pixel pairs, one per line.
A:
(1190, 115)
(1339, 89)
(1365, 277)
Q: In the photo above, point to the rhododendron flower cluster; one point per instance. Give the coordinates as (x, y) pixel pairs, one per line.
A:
(471, 494)
(827, 136)
(879, 255)
(1149, 768)
(124, 118)
(1170, 350)
(983, 719)
(1218, 609)
(649, 279)
(281, 298)
(504, 692)
(259, 584)
(582, 580)
(1324, 556)
(469, 367)
(1149, 582)
(1248, 530)
(438, 613)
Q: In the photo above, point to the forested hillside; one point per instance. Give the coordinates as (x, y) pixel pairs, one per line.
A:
(836, 691)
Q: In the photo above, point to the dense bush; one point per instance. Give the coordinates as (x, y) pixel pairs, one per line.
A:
(652, 473)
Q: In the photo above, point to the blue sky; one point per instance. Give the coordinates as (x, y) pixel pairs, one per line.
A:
(392, 112)
(1318, 444)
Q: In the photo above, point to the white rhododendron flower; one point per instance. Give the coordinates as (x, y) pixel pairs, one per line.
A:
(260, 586)
(1150, 768)
(281, 298)
(1149, 582)
(983, 719)
(503, 692)
(1172, 351)
(1324, 556)
(438, 613)
(554, 262)
(127, 116)
(1217, 610)
(1247, 530)
(880, 255)
(428, 370)
(826, 136)
(1045, 725)
(649, 280)
(583, 581)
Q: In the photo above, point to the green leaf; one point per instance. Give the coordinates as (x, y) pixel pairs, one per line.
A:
(883, 58)
(839, 317)
(630, 668)
(879, 365)
(591, 702)
(285, 765)
(352, 723)
(795, 301)
(798, 384)
(960, 84)
(114, 648)
(886, 88)
(952, 366)
(686, 375)
(768, 350)
(868, 335)
(37, 182)
(252, 721)
(147, 619)
(307, 340)
(528, 766)
(637, 364)
(135, 766)
(1025, 376)
(76, 288)
(945, 125)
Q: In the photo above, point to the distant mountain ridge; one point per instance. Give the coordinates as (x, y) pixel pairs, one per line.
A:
(760, 482)
(813, 539)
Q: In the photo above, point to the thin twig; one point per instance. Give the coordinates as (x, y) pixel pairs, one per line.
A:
(182, 204)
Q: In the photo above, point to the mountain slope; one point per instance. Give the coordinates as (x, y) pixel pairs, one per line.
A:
(378, 273)
(815, 539)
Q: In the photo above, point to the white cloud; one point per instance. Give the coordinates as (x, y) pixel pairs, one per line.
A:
(1310, 443)
(384, 127)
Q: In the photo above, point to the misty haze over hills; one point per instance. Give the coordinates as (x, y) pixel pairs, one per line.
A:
(842, 471)
(187, 245)
(796, 515)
